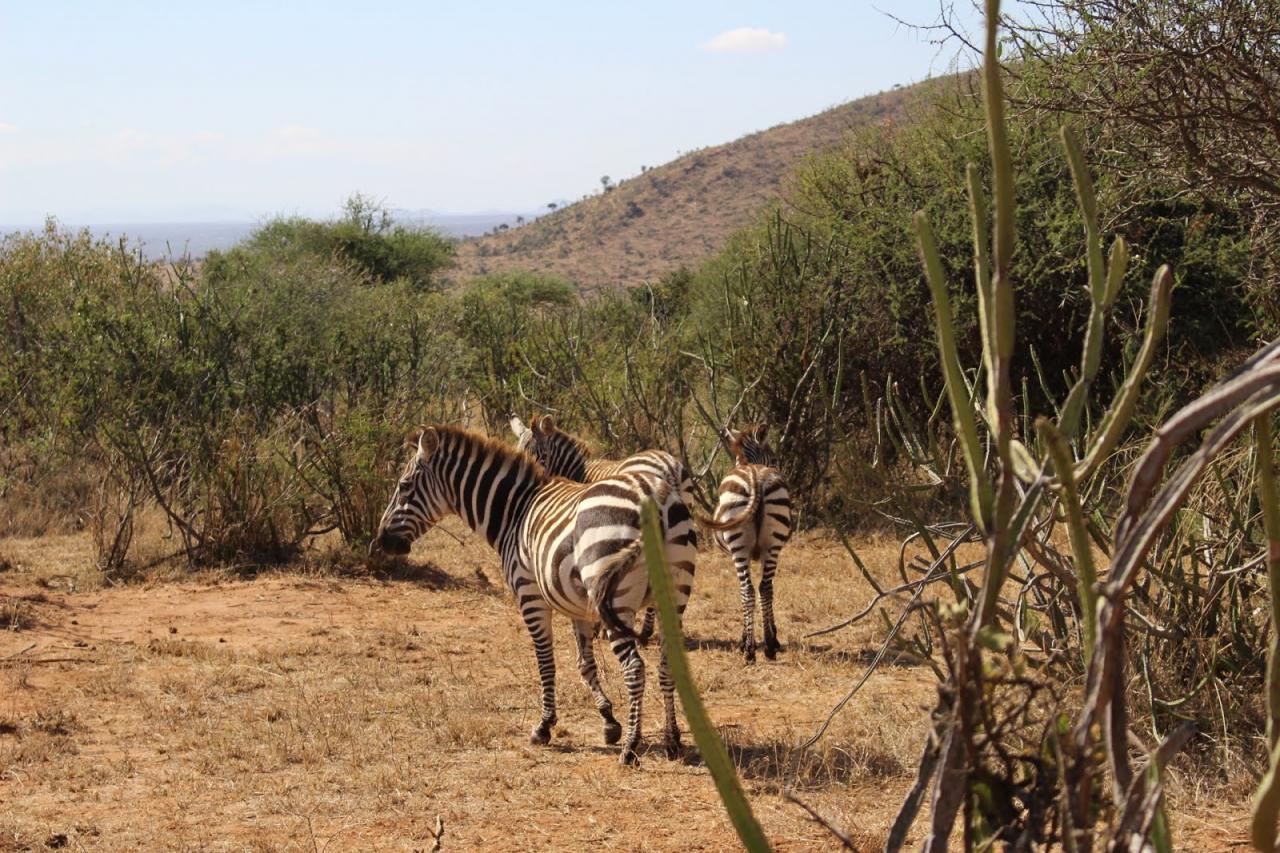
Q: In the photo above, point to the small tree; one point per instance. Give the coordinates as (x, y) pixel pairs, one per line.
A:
(366, 213)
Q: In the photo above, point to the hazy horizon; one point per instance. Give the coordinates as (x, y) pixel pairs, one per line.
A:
(145, 112)
(196, 238)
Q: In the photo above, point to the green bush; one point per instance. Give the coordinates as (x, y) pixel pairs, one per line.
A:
(366, 238)
(203, 390)
(824, 293)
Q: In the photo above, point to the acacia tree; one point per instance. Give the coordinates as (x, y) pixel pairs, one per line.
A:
(1186, 89)
(1192, 86)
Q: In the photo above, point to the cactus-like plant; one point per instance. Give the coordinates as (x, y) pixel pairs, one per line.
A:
(1052, 478)
(712, 748)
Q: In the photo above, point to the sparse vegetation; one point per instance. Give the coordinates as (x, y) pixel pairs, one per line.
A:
(691, 207)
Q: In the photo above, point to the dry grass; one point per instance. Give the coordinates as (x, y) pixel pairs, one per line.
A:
(673, 215)
(302, 710)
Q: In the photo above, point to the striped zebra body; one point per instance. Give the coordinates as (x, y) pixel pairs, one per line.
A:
(564, 455)
(567, 547)
(756, 508)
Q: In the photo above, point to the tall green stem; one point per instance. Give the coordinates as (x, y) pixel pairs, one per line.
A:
(953, 374)
(1081, 548)
(713, 751)
(1000, 391)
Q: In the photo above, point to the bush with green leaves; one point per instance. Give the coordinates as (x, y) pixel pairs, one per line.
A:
(204, 388)
(367, 239)
(1175, 97)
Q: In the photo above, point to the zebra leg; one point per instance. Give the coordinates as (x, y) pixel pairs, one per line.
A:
(537, 618)
(671, 729)
(680, 556)
(646, 630)
(770, 565)
(584, 632)
(633, 675)
(742, 563)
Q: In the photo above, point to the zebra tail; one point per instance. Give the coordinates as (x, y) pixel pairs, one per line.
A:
(608, 581)
(710, 523)
(749, 511)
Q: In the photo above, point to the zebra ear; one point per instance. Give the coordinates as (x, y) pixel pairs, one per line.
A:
(428, 441)
(518, 427)
(545, 424)
(761, 431)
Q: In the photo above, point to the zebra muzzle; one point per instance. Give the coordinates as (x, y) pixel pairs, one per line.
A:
(392, 545)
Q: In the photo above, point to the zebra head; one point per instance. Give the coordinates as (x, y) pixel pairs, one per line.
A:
(560, 454)
(418, 501)
(748, 446)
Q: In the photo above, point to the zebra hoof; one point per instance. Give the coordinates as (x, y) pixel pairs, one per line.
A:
(541, 736)
(771, 651)
(629, 757)
(673, 746)
(612, 732)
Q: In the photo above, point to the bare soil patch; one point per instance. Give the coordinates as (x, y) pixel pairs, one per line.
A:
(304, 711)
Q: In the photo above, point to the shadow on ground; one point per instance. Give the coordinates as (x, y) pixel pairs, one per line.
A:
(426, 574)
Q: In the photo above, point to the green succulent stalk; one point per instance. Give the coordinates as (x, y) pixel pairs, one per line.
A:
(712, 748)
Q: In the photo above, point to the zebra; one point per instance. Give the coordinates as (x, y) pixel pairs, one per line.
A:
(756, 508)
(564, 455)
(569, 547)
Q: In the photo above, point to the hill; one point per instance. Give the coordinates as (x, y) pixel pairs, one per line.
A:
(668, 216)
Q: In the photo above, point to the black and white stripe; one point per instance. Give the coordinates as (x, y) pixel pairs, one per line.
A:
(562, 454)
(569, 547)
(756, 509)
(565, 455)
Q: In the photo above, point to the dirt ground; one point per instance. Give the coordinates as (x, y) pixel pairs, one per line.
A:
(304, 711)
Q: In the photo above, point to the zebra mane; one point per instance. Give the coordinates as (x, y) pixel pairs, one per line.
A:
(454, 436)
(578, 444)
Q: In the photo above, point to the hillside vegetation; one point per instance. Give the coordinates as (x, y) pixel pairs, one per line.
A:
(674, 215)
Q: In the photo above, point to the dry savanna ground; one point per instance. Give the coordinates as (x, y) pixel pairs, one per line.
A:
(313, 710)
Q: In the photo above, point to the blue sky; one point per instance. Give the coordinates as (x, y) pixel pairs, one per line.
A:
(147, 111)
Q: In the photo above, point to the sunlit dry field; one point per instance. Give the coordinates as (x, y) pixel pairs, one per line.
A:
(307, 710)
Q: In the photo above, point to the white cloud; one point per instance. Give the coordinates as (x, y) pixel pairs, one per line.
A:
(747, 40)
(5, 127)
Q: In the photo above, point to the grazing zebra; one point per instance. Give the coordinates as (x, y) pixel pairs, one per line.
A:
(756, 509)
(565, 455)
(565, 546)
